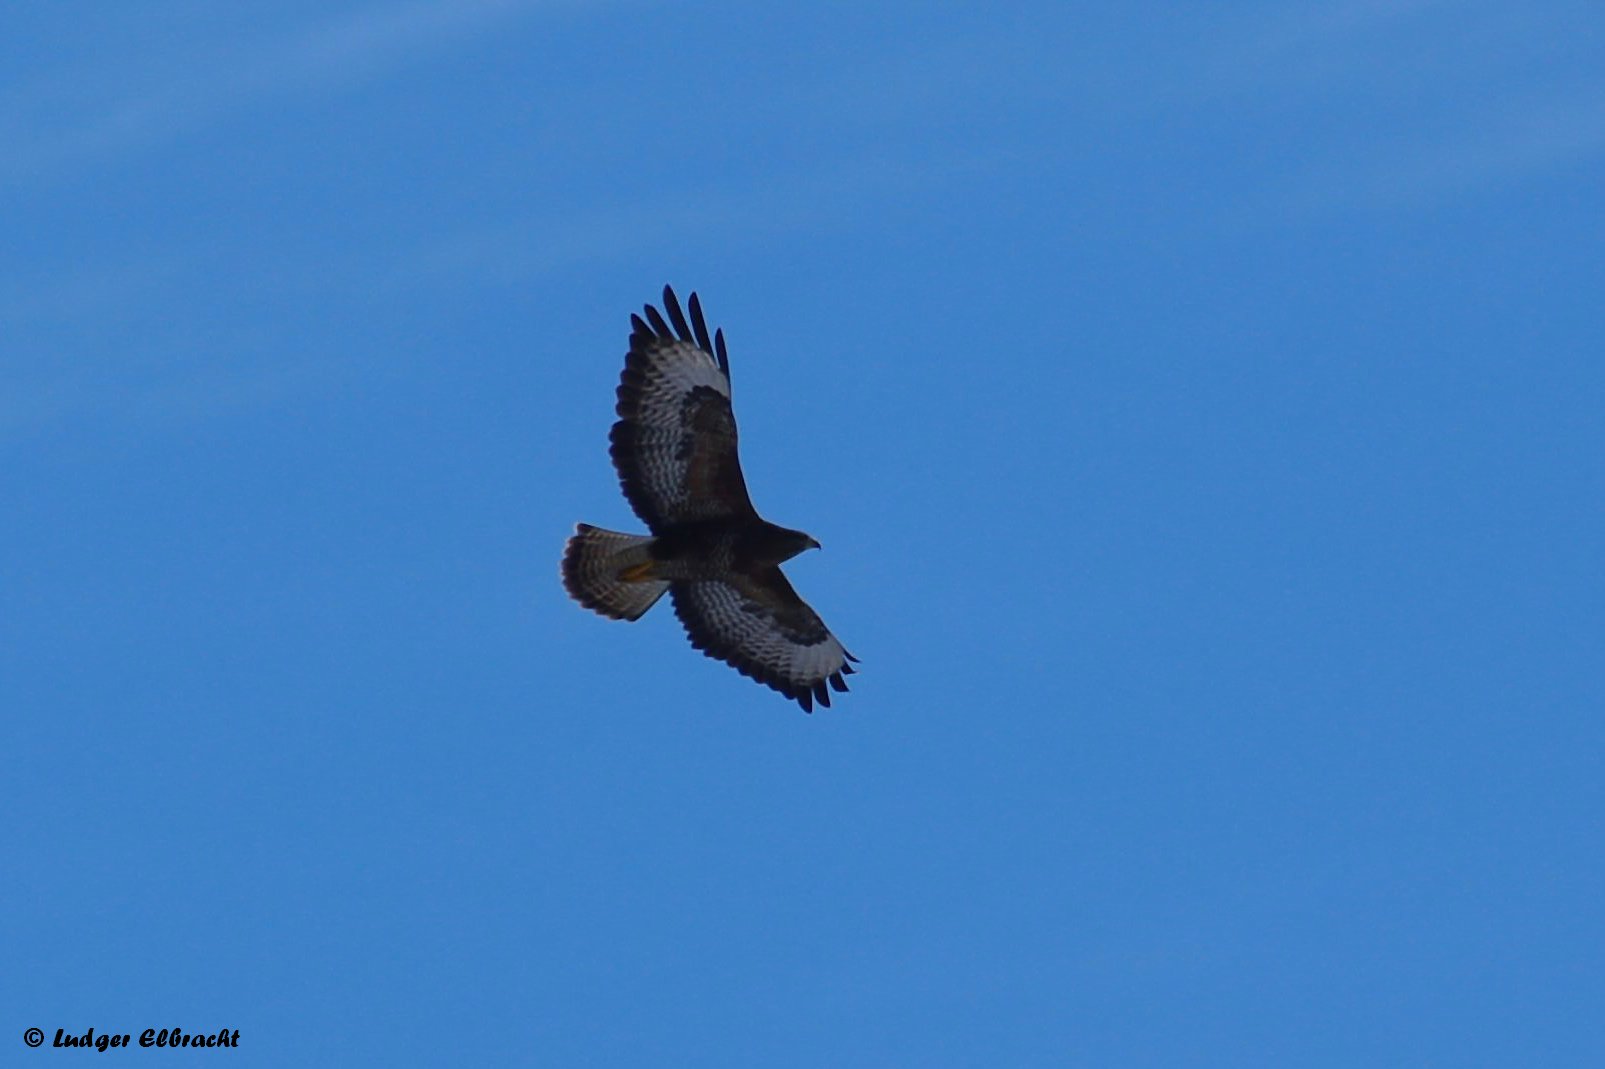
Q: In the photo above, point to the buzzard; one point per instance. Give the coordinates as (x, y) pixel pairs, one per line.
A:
(674, 446)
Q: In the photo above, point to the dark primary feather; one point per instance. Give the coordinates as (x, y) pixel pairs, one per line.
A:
(658, 325)
(701, 325)
(671, 304)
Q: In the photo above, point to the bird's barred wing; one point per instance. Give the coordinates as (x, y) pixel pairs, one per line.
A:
(761, 628)
(674, 444)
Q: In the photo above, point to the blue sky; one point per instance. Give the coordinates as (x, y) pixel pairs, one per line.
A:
(1200, 412)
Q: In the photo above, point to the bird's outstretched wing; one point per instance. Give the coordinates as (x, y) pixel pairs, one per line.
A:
(674, 444)
(759, 626)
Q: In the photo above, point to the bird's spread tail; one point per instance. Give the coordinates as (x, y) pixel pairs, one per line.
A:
(610, 572)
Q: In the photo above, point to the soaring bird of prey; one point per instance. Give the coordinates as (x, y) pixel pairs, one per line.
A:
(674, 446)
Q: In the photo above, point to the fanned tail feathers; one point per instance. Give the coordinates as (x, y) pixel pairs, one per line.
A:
(592, 563)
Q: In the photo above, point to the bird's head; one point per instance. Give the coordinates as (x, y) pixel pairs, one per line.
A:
(788, 543)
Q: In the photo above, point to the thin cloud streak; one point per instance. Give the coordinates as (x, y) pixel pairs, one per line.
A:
(1438, 99)
(516, 251)
(192, 393)
(349, 49)
(172, 373)
(1482, 151)
(1539, 139)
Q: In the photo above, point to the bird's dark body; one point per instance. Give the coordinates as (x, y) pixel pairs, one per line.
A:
(711, 549)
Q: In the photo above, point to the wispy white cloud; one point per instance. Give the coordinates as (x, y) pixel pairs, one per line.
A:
(1482, 151)
(73, 117)
(152, 369)
(152, 317)
(1410, 79)
(1287, 38)
(517, 250)
(1396, 104)
(1350, 103)
(125, 394)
